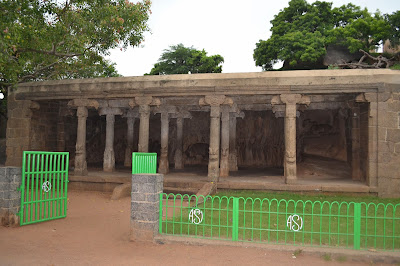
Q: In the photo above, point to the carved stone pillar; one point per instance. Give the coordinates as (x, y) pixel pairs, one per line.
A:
(224, 167)
(129, 141)
(130, 120)
(80, 153)
(232, 141)
(109, 156)
(213, 164)
(178, 158)
(144, 111)
(215, 124)
(291, 101)
(355, 143)
(164, 164)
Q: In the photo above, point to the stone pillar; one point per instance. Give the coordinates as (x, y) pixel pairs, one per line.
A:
(224, 170)
(232, 141)
(129, 139)
(213, 164)
(290, 166)
(130, 115)
(80, 153)
(290, 143)
(109, 156)
(355, 143)
(144, 111)
(10, 197)
(215, 103)
(145, 206)
(178, 158)
(164, 164)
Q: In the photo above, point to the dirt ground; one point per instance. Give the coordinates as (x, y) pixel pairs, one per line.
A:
(96, 232)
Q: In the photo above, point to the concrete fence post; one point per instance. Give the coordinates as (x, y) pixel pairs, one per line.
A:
(145, 208)
(10, 196)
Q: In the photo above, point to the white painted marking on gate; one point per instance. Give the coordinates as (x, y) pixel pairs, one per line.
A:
(46, 186)
(293, 222)
(196, 216)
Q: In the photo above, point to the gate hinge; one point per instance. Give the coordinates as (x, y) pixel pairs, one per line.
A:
(19, 188)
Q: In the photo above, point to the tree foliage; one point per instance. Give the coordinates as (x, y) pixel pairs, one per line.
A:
(302, 31)
(179, 59)
(51, 39)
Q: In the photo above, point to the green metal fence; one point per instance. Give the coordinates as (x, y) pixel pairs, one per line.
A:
(44, 186)
(144, 163)
(329, 224)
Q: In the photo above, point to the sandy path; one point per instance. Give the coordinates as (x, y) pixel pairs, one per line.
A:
(96, 233)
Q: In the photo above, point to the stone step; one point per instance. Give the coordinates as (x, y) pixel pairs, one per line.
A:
(180, 190)
(189, 184)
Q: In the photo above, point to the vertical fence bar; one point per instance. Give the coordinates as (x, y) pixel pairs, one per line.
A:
(160, 214)
(235, 219)
(357, 225)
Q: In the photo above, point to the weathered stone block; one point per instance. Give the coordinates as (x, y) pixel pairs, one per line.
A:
(145, 216)
(136, 196)
(393, 135)
(153, 197)
(388, 187)
(382, 133)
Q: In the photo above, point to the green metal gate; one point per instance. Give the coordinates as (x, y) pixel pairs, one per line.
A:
(144, 163)
(44, 186)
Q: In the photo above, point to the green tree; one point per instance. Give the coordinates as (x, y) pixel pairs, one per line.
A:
(51, 39)
(394, 22)
(302, 31)
(179, 59)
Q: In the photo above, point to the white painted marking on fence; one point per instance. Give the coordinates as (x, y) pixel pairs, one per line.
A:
(196, 216)
(295, 222)
(46, 186)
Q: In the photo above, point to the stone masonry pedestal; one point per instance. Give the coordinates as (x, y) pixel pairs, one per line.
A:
(145, 206)
(10, 197)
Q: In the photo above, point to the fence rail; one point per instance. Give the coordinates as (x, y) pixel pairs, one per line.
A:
(336, 224)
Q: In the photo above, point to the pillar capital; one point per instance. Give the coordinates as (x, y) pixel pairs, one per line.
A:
(82, 112)
(84, 103)
(291, 99)
(147, 100)
(215, 100)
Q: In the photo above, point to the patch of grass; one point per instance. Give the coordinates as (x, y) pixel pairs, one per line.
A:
(395, 66)
(327, 257)
(342, 259)
(297, 252)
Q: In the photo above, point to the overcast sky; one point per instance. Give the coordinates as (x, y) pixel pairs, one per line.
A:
(230, 28)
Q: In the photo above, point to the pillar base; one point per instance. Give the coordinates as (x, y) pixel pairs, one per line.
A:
(80, 172)
(291, 180)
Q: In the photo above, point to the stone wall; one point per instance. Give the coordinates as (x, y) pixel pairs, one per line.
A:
(260, 139)
(10, 197)
(323, 133)
(388, 145)
(44, 127)
(18, 129)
